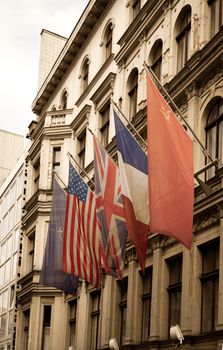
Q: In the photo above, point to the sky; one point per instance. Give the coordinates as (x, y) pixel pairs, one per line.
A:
(21, 22)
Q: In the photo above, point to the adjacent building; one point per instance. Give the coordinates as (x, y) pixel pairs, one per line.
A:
(11, 203)
(103, 59)
(12, 146)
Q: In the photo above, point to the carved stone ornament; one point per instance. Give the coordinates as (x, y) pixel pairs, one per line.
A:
(206, 221)
(160, 241)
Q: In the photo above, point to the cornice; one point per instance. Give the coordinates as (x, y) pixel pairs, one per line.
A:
(105, 86)
(71, 49)
(81, 117)
(56, 132)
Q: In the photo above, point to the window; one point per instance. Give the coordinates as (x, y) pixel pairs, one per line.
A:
(156, 58)
(123, 308)
(174, 289)
(36, 169)
(136, 5)
(146, 303)
(216, 8)
(64, 100)
(104, 125)
(95, 314)
(85, 74)
(108, 41)
(183, 37)
(214, 133)
(72, 321)
(210, 285)
(31, 248)
(56, 158)
(132, 92)
(81, 148)
(26, 317)
(46, 327)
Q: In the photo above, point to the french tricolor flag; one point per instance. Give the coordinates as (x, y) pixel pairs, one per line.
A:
(133, 165)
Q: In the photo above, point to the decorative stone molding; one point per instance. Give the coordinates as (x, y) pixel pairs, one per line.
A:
(206, 221)
(191, 90)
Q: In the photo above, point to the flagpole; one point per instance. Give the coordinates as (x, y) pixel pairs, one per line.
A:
(132, 126)
(64, 188)
(74, 160)
(102, 147)
(206, 153)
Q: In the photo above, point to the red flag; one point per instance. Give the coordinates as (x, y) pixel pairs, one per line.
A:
(171, 175)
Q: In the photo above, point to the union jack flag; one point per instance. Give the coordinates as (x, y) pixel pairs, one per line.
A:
(82, 237)
(110, 211)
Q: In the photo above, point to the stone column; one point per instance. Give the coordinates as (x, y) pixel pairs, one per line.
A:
(131, 302)
(107, 306)
(156, 294)
(186, 295)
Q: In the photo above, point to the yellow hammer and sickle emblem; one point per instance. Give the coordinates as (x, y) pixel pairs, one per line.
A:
(166, 114)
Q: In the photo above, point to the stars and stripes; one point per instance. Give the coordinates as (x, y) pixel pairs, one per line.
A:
(81, 251)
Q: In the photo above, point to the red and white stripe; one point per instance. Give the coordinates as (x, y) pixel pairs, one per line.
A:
(82, 239)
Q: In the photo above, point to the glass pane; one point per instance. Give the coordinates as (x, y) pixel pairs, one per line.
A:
(46, 338)
(216, 291)
(211, 146)
(175, 308)
(123, 324)
(207, 306)
(175, 270)
(72, 334)
(146, 319)
(5, 301)
(147, 281)
(220, 144)
(94, 331)
(3, 321)
(210, 258)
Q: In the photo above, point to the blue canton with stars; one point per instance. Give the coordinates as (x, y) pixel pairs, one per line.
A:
(76, 185)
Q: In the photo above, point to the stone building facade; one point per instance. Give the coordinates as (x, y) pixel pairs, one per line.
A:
(103, 59)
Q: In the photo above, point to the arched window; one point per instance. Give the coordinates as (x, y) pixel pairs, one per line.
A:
(216, 8)
(107, 41)
(155, 58)
(183, 26)
(132, 86)
(85, 74)
(214, 131)
(64, 100)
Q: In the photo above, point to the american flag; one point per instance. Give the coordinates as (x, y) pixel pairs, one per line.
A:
(110, 211)
(81, 251)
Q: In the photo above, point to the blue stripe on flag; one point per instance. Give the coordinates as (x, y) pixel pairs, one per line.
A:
(132, 153)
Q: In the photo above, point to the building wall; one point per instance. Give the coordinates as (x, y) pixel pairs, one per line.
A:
(195, 88)
(11, 202)
(50, 46)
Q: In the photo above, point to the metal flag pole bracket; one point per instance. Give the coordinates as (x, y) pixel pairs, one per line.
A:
(205, 187)
(132, 126)
(76, 162)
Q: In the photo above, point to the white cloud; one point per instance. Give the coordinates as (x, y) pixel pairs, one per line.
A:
(21, 23)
